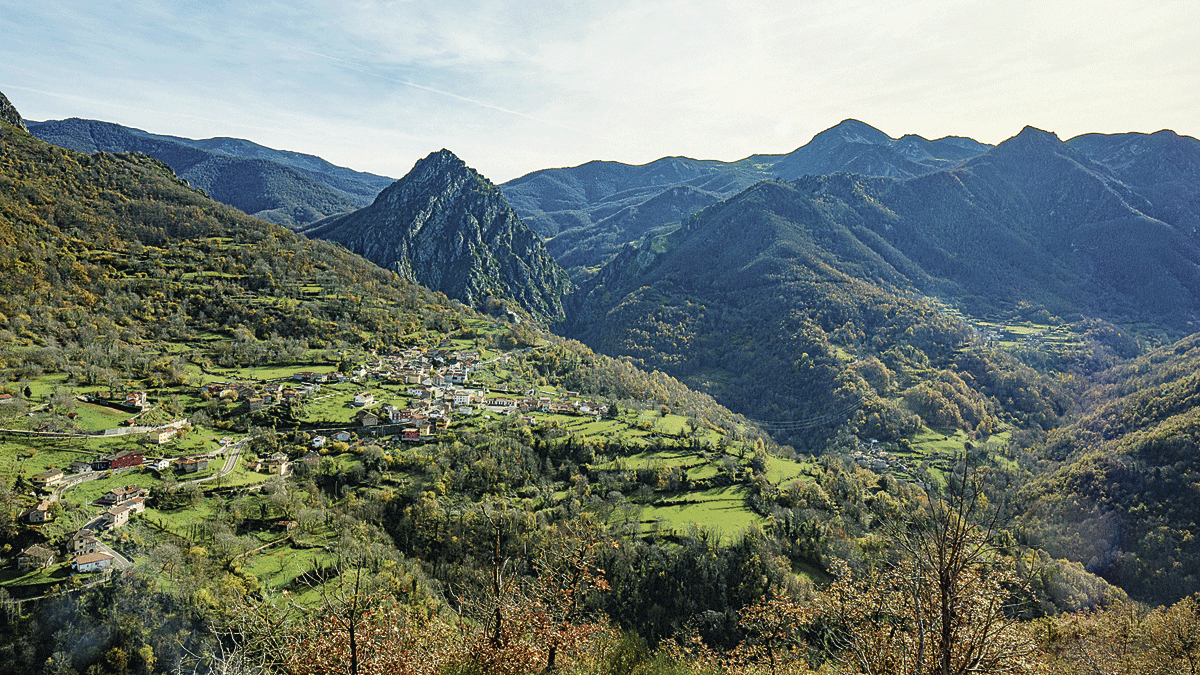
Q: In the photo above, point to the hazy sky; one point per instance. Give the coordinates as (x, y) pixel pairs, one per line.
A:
(515, 86)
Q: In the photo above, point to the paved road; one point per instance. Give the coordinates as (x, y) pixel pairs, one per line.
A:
(233, 452)
(120, 562)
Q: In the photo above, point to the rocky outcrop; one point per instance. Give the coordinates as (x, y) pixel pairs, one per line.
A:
(448, 228)
(9, 114)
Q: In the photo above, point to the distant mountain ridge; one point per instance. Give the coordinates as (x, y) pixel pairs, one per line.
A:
(287, 188)
(1031, 220)
(575, 207)
(446, 227)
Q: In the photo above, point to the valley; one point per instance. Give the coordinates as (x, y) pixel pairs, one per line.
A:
(597, 413)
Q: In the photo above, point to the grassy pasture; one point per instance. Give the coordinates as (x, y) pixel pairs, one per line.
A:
(722, 509)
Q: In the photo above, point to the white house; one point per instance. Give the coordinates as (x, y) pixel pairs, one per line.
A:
(93, 562)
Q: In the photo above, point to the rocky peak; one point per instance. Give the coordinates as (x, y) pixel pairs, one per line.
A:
(9, 114)
(446, 227)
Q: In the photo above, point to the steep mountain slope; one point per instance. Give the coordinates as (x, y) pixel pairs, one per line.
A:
(1163, 167)
(790, 310)
(105, 258)
(580, 248)
(1033, 220)
(782, 270)
(286, 188)
(446, 227)
(1124, 497)
(574, 207)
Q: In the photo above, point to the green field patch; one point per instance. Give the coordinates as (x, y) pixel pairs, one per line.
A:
(94, 418)
(279, 566)
(938, 442)
(182, 521)
(57, 573)
(647, 460)
(780, 470)
(815, 575)
(722, 509)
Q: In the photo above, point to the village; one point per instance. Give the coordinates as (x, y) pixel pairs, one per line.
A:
(431, 391)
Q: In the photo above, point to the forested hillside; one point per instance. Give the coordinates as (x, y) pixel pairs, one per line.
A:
(1120, 485)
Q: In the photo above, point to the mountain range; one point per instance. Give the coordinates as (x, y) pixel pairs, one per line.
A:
(286, 188)
(587, 212)
(827, 293)
(840, 262)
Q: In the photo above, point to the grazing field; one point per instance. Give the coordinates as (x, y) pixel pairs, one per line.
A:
(720, 509)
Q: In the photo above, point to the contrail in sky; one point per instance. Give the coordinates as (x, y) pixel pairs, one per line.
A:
(408, 83)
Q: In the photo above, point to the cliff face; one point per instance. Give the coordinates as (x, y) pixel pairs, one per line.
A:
(448, 228)
(9, 114)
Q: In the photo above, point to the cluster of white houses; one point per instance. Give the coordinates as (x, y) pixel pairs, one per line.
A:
(437, 367)
(84, 546)
(271, 393)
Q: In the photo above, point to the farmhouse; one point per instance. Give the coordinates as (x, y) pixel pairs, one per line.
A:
(364, 398)
(35, 556)
(276, 465)
(193, 464)
(80, 467)
(93, 562)
(119, 515)
(122, 459)
(83, 542)
(122, 495)
(50, 477)
(39, 513)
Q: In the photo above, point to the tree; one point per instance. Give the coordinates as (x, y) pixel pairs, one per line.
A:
(1128, 638)
(566, 573)
(945, 605)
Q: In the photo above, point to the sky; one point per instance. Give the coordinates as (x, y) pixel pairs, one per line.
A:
(516, 86)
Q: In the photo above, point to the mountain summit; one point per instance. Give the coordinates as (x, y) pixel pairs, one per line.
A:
(9, 114)
(446, 227)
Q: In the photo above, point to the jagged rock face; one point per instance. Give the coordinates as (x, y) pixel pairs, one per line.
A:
(9, 114)
(448, 228)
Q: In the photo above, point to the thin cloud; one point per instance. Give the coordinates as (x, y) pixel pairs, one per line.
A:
(433, 90)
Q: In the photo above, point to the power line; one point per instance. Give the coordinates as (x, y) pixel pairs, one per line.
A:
(812, 422)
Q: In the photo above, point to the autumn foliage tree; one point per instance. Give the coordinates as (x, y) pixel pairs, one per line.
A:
(945, 605)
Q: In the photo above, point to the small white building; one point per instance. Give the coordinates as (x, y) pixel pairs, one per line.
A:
(93, 562)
